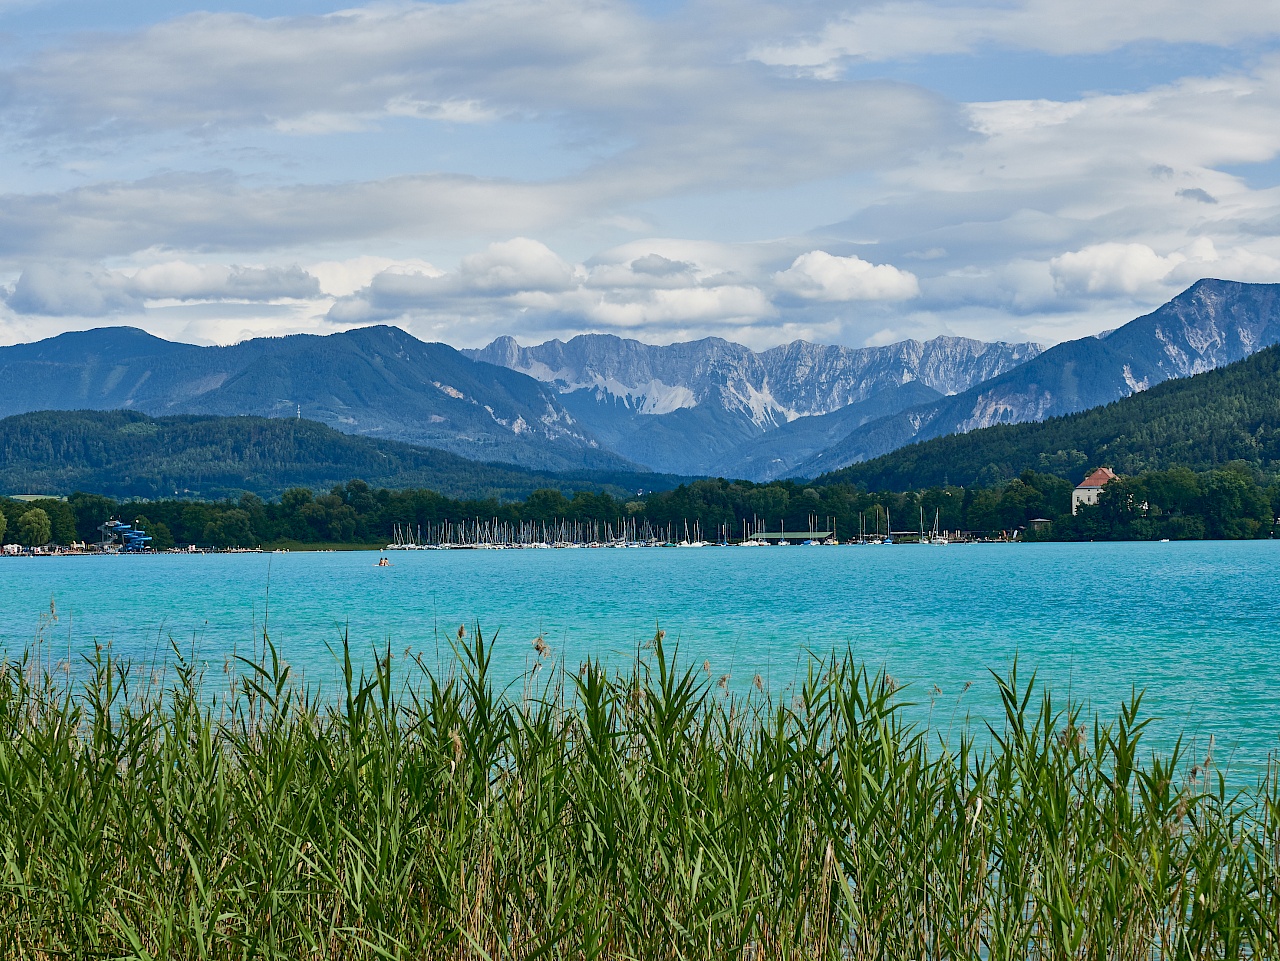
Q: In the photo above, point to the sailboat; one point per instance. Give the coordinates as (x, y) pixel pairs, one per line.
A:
(937, 537)
(697, 536)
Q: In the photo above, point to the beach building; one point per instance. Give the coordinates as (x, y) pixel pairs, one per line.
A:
(1087, 490)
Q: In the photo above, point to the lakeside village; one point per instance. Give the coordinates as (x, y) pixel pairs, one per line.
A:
(120, 537)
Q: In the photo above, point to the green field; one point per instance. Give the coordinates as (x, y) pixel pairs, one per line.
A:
(641, 814)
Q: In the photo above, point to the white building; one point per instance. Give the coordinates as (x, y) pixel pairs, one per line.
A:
(1087, 490)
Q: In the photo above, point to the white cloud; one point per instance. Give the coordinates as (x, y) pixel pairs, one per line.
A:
(161, 149)
(338, 278)
(659, 109)
(197, 212)
(901, 29)
(521, 285)
(179, 280)
(516, 265)
(1112, 269)
(681, 307)
(818, 275)
(93, 291)
(71, 291)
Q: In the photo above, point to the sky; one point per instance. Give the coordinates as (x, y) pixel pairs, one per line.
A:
(853, 173)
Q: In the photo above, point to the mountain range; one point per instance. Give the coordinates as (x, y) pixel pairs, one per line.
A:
(704, 407)
(600, 402)
(1212, 323)
(1230, 415)
(377, 381)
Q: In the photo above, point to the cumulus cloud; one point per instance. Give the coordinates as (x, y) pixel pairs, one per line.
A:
(516, 265)
(65, 290)
(339, 278)
(1128, 269)
(178, 280)
(1058, 211)
(523, 282)
(70, 292)
(819, 275)
(1112, 269)
(511, 268)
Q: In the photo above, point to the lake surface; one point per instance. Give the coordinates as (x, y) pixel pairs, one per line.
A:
(1197, 625)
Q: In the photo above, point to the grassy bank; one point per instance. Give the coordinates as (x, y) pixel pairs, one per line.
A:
(645, 814)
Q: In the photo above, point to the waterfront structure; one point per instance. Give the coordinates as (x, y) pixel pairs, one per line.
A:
(1087, 490)
(118, 536)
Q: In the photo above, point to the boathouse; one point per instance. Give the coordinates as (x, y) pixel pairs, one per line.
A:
(1087, 490)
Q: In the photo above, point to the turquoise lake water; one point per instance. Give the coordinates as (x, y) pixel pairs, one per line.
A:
(1197, 625)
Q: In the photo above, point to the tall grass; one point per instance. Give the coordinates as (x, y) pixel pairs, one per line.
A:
(636, 814)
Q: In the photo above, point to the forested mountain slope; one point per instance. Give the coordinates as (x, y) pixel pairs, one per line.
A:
(128, 454)
(1201, 422)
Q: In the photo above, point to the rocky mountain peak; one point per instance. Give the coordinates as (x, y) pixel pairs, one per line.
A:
(770, 387)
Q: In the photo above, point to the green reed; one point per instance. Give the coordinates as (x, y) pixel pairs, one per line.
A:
(645, 813)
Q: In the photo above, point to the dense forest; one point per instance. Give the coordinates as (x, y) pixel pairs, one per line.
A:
(127, 454)
(1204, 422)
(1232, 502)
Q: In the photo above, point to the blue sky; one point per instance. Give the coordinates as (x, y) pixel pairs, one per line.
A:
(846, 173)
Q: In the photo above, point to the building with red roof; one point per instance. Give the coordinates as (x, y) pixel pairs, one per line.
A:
(1087, 490)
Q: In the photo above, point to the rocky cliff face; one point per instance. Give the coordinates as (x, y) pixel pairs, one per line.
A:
(698, 407)
(1212, 323)
(770, 387)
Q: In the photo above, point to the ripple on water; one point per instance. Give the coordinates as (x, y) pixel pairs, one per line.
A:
(1194, 624)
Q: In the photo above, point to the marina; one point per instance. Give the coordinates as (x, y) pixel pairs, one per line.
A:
(501, 535)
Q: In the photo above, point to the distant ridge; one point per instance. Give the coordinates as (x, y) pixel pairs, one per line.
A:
(697, 407)
(378, 381)
(1212, 323)
(1223, 416)
(129, 454)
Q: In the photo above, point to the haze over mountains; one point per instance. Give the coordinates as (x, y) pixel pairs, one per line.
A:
(605, 403)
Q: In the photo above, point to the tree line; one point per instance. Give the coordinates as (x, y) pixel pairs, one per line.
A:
(1231, 502)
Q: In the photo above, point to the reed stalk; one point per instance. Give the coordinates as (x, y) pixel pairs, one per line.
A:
(641, 813)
